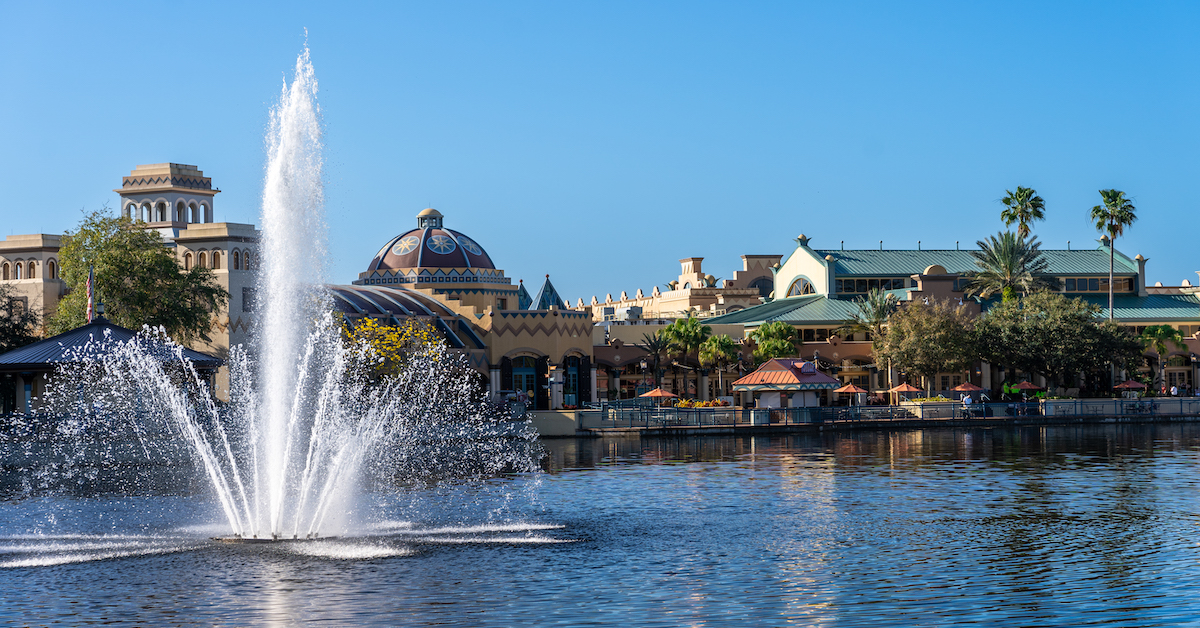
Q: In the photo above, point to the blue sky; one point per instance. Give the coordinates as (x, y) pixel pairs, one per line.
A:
(601, 142)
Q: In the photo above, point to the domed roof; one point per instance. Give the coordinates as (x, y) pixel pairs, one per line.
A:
(430, 246)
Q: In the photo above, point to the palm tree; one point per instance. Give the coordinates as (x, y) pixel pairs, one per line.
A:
(1007, 263)
(685, 335)
(1156, 337)
(775, 339)
(719, 351)
(1022, 207)
(870, 313)
(1112, 217)
(656, 345)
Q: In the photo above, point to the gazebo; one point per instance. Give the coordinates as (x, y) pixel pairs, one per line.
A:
(778, 379)
(24, 371)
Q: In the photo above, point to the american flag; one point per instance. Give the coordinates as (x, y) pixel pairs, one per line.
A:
(91, 278)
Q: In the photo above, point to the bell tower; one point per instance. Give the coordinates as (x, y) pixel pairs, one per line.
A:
(167, 196)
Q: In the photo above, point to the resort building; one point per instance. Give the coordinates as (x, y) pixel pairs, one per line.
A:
(816, 289)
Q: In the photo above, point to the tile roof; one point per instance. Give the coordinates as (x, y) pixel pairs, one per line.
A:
(871, 262)
(1152, 308)
(74, 346)
(786, 374)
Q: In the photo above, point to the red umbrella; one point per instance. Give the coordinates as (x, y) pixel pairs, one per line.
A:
(1130, 384)
(967, 387)
(905, 387)
(1027, 386)
(658, 392)
(849, 388)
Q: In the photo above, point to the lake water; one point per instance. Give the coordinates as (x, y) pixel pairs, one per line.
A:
(1055, 526)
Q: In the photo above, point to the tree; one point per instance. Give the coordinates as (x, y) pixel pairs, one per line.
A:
(1022, 207)
(657, 345)
(391, 346)
(927, 338)
(18, 322)
(137, 278)
(1112, 217)
(685, 335)
(775, 339)
(1007, 263)
(870, 314)
(719, 351)
(1050, 335)
(1156, 338)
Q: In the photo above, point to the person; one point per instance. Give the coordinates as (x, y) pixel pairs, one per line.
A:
(1174, 390)
(967, 405)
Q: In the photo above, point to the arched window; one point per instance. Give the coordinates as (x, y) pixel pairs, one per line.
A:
(799, 287)
(32, 272)
(145, 217)
(246, 261)
(216, 260)
(237, 261)
(17, 275)
(52, 270)
(204, 217)
(202, 259)
(179, 211)
(687, 285)
(4, 272)
(129, 212)
(161, 212)
(187, 261)
(195, 217)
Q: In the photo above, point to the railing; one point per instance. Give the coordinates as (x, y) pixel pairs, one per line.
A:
(622, 415)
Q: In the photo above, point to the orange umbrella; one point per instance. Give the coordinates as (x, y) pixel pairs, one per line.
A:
(1027, 386)
(967, 387)
(905, 387)
(849, 388)
(1130, 384)
(658, 392)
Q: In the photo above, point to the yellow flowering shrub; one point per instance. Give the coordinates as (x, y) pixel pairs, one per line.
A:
(393, 345)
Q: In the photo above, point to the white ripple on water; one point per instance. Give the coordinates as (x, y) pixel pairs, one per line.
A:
(535, 539)
(348, 551)
(485, 528)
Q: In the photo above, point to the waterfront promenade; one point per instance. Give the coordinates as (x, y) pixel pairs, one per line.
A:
(634, 416)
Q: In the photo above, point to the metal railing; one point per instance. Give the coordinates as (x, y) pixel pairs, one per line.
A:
(622, 415)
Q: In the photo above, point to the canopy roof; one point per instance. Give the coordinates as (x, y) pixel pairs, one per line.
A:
(83, 343)
(786, 374)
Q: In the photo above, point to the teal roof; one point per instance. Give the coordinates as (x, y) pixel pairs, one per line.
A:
(548, 297)
(1153, 308)
(802, 310)
(821, 310)
(873, 263)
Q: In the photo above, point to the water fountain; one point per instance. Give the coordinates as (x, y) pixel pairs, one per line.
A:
(307, 425)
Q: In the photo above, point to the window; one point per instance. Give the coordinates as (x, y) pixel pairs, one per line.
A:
(32, 270)
(237, 261)
(502, 304)
(4, 271)
(687, 285)
(822, 335)
(809, 335)
(945, 382)
(17, 275)
(246, 261)
(799, 287)
(1070, 285)
(187, 261)
(872, 284)
(52, 268)
(216, 260)
(860, 285)
(202, 259)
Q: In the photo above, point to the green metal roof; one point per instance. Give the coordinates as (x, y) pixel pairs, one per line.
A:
(821, 310)
(873, 263)
(807, 309)
(1152, 308)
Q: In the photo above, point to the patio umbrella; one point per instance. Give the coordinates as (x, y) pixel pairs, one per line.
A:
(967, 387)
(1130, 384)
(658, 394)
(903, 388)
(850, 388)
(1027, 386)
